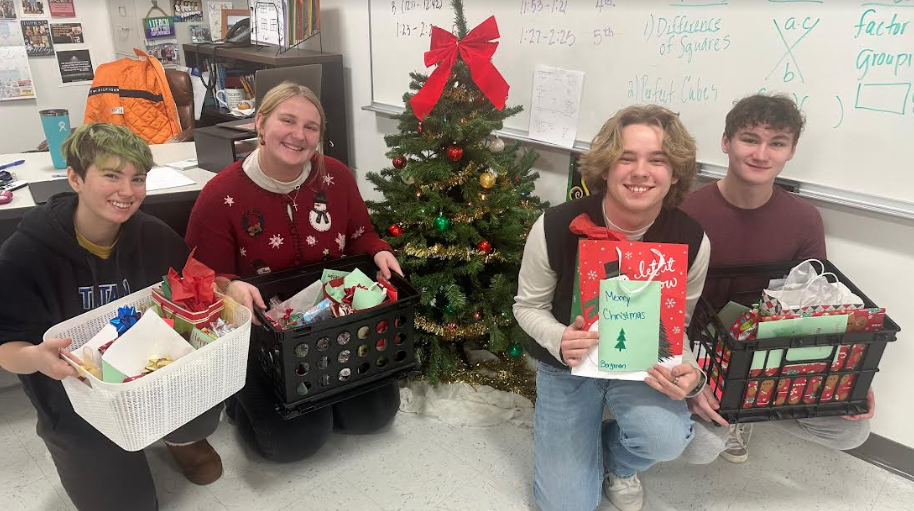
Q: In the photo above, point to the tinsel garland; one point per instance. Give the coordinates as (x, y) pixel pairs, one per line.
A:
(511, 375)
(456, 180)
(462, 218)
(477, 329)
(438, 251)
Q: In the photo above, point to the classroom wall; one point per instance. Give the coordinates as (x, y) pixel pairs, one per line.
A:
(20, 128)
(876, 252)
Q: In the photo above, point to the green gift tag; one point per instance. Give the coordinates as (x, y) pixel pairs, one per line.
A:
(629, 325)
(329, 275)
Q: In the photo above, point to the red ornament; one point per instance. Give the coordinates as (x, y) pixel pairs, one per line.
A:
(454, 153)
(399, 162)
(477, 315)
(484, 246)
(452, 326)
(395, 230)
(419, 128)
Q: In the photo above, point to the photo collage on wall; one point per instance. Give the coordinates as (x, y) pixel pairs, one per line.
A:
(15, 72)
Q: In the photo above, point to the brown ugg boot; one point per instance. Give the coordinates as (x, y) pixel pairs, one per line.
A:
(199, 462)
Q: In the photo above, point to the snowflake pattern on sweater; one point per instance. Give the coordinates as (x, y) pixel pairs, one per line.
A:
(253, 234)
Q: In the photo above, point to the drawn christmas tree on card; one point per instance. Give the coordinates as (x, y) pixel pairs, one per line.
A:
(620, 344)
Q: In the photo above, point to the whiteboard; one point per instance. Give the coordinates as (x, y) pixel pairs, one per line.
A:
(847, 63)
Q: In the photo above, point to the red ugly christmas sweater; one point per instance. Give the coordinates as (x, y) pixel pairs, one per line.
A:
(241, 229)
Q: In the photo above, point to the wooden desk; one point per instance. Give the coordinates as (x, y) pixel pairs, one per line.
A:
(171, 205)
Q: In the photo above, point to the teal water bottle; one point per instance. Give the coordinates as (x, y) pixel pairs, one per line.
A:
(56, 124)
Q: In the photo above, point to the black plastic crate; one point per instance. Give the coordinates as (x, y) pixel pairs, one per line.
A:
(832, 381)
(316, 365)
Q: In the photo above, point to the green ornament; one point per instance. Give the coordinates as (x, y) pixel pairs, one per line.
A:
(442, 223)
(515, 350)
(448, 309)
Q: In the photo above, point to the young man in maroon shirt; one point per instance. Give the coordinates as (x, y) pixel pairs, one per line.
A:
(749, 220)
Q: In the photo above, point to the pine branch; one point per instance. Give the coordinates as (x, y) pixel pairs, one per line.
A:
(459, 18)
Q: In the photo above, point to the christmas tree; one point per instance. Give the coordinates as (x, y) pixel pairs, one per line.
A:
(620, 345)
(457, 208)
(664, 350)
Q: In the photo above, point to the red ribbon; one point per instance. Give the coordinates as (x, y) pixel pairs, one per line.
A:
(476, 49)
(583, 225)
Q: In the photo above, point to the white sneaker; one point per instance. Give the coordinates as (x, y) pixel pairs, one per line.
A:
(737, 450)
(625, 493)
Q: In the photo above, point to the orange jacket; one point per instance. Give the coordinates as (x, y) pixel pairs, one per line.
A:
(134, 93)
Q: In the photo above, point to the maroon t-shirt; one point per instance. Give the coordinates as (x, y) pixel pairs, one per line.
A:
(786, 228)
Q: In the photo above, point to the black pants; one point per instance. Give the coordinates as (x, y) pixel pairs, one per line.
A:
(277, 439)
(100, 476)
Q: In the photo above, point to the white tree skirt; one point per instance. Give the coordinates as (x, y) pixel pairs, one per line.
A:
(462, 404)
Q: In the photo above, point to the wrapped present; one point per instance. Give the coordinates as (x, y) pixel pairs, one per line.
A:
(744, 328)
(831, 383)
(190, 299)
(812, 390)
(281, 311)
(151, 337)
(354, 292)
(605, 254)
(844, 387)
(866, 320)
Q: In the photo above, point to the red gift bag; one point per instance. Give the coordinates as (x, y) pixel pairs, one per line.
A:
(606, 254)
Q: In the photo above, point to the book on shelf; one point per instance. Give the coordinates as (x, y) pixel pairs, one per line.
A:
(284, 23)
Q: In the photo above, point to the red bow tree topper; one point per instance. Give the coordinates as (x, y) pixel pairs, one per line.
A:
(476, 49)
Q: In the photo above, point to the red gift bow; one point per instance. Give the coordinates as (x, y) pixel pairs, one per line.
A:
(476, 49)
(583, 225)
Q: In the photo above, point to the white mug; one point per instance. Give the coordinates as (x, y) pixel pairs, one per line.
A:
(231, 97)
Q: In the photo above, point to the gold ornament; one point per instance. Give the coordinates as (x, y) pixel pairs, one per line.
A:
(487, 180)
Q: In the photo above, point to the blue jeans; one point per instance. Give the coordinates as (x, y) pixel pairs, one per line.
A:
(572, 449)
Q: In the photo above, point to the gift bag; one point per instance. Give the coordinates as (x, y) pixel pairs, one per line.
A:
(606, 254)
(805, 290)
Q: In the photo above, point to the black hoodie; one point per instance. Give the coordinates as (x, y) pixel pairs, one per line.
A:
(46, 277)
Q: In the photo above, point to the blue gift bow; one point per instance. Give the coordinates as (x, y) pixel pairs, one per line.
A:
(126, 317)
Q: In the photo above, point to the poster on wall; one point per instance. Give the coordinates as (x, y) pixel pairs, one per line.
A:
(165, 50)
(67, 33)
(32, 8)
(159, 27)
(214, 11)
(37, 38)
(75, 66)
(10, 34)
(7, 10)
(187, 10)
(15, 74)
(199, 34)
(62, 8)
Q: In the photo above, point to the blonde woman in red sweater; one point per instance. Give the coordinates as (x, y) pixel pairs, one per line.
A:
(288, 205)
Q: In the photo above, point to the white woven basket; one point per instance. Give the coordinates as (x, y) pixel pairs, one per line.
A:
(136, 414)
